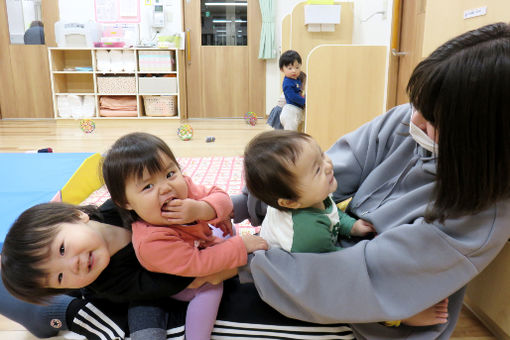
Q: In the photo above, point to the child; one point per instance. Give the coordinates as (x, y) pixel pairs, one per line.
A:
(274, 116)
(54, 248)
(288, 171)
(292, 112)
(170, 218)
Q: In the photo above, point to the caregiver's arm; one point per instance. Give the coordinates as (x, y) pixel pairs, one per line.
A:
(393, 276)
(410, 265)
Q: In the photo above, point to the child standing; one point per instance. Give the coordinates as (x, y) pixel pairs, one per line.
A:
(170, 218)
(274, 116)
(288, 171)
(292, 113)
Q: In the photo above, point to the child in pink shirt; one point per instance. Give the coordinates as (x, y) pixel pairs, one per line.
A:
(170, 217)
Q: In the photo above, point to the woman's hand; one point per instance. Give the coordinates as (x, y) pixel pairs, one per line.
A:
(214, 279)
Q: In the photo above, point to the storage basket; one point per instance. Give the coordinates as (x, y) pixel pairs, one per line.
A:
(116, 85)
(160, 106)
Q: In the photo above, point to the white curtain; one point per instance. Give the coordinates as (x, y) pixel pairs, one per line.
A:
(267, 49)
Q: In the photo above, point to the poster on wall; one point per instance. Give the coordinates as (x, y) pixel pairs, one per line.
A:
(117, 11)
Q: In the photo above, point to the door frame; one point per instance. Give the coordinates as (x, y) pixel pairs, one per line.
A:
(407, 29)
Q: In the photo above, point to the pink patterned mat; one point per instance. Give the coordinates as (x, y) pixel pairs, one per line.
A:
(224, 172)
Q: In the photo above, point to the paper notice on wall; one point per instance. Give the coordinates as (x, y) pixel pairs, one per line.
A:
(475, 12)
(117, 11)
(128, 8)
(106, 10)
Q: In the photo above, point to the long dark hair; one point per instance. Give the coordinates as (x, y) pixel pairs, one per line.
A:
(27, 246)
(128, 157)
(463, 89)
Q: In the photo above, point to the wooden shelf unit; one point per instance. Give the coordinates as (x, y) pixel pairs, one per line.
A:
(74, 71)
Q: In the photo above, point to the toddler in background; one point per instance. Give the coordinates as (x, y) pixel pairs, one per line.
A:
(288, 171)
(170, 217)
(292, 112)
(274, 116)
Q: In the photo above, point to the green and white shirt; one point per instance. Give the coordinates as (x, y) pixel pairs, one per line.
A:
(308, 230)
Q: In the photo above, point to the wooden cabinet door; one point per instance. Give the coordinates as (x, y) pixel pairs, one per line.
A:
(223, 80)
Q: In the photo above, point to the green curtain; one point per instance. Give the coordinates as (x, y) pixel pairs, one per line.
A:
(267, 49)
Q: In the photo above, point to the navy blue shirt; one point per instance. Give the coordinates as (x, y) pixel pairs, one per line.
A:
(292, 91)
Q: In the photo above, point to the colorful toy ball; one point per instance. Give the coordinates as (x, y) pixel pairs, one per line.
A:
(250, 118)
(185, 132)
(87, 125)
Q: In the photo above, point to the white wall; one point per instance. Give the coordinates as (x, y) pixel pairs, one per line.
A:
(374, 31)
(83, 11)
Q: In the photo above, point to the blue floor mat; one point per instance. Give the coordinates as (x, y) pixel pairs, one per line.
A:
(31, 178)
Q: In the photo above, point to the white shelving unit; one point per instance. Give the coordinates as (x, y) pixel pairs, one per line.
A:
(74, 71)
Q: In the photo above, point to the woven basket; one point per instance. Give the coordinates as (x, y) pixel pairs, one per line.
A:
(160, 106)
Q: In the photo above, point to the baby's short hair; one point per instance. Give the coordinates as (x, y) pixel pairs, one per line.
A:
(289, 57)
(266, 165)
(27, 248)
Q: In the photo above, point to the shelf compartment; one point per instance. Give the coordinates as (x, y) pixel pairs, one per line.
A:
(160, 106)
(116, 85)
(68, 60)
(156, 61)
(73, 83)
(163, 85)
(118, 106)
(76, 106)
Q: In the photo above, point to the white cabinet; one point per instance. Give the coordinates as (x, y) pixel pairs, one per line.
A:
(114, 83)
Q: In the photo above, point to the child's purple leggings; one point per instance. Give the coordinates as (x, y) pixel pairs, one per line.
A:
(202, 309)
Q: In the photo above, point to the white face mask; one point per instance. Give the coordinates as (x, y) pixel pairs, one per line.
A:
(422, 138)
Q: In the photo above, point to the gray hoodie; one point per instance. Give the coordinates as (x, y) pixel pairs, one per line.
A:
(409, 266)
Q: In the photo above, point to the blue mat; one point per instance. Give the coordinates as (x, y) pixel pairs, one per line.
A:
(31, 178)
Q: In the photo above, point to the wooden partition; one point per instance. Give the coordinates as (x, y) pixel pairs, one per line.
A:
(304, 42)
(295, 34)
(445, 19)
(345, 89)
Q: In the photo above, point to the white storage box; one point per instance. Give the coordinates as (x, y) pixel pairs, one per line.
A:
(116, 85)
(156, 61)
(160, 106)
(157, 85)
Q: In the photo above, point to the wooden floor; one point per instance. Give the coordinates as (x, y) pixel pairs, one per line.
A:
(231, 138)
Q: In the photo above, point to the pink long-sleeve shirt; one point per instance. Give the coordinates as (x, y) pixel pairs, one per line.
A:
(190, 250)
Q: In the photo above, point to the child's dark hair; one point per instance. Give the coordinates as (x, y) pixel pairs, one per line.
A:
(128, 157)
(288, 58)
(266, 165)
(27, 248)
